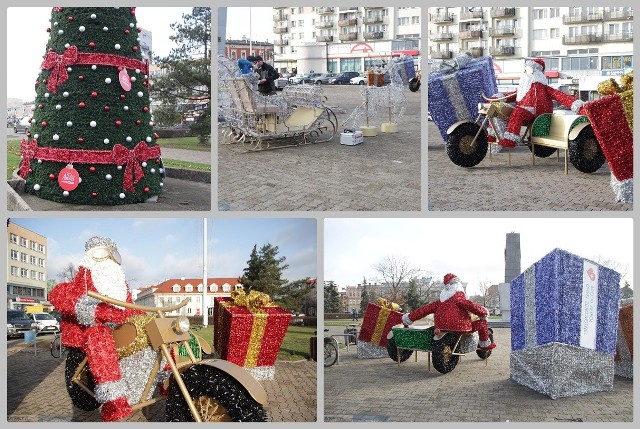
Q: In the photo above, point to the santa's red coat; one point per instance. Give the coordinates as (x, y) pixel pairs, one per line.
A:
(451, 314)
(65, 296)
(540, 97)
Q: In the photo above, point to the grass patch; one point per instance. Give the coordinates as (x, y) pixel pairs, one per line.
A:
(294, 347)
(342, 322)
(190, 143)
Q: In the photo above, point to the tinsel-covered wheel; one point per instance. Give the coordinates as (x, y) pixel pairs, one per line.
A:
(543, 151)
(80, 398)
(442, 356)
(218, 397)
(393, 351)
(414, 84)
(461, 147)
(484, 354)
(585, 153)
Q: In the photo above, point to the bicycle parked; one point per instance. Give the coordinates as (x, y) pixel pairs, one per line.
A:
(330, 350)
(57, 349)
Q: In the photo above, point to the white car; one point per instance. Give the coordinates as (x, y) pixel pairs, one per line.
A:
(45, 322)
(358, 80)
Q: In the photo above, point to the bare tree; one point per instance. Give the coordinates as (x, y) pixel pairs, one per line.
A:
(68, 273)
(614, 265)
(395, 272)
(483, 287)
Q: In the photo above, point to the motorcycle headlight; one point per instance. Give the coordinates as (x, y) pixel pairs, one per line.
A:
(181, 324)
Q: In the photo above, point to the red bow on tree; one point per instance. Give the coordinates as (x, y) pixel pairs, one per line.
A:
(132, 158)
(58, 63)
(28, 151)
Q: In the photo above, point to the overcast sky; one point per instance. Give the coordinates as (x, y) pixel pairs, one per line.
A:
(253, 22)
(154, 250)
(473, 249)
(27, 41)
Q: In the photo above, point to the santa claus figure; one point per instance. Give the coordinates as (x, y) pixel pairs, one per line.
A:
(533, 98)
(453, 313)
(87, 322)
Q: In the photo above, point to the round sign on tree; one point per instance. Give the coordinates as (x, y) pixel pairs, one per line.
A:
(92, 129)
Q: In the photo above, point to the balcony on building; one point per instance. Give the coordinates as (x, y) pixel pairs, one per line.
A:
(280, 30)
(498, 12)
(626, 36)
(348, 22)
(348, 8)
(582, 17)
(619, 15)
(442, 17)
(441, 55)
(281, 42)
(470, 34)
(469, 16)
(374, 35)
(441, 36)
(324, 10)
(502, 31)
(502, 51)
(476, 52)
(374, 7)
(324, 39)
(582, 39)
(324, 24)
(280, 16)
(373, 19)
(348, 36)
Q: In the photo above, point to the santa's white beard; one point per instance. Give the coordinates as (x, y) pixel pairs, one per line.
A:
(108, 278)
(526, 80)
(450, 290)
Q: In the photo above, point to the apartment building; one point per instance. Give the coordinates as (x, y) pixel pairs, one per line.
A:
(338, 39)
(26, 268)
(581, 46)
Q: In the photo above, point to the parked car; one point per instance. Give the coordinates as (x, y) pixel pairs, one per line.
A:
(363, 79)
(305, 78)
(324, 78)
(281, 82)
(44, 322)
(343, 78)
(18, 322)
(22, 125)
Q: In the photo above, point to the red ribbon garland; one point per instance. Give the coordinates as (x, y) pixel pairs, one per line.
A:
(119, 155)
(58, 63)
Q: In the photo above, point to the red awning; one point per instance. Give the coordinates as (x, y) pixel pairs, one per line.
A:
(408, 52)
(552, 74)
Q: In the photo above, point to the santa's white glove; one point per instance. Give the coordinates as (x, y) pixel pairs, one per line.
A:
(406, 320)
(486, 314)
(576, 106)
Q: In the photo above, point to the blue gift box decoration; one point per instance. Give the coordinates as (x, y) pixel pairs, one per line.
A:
(455, 90)
(564, 298)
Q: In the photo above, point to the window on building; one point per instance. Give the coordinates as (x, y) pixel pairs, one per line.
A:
(33, 260)
(23, 242)
(23, 257)
(176, 288)
(554, 12)
(301, 23)
(14, 239)
(40, 262)
(40, 276)
(238, 287)
(213, 288)
(14, 271)
(403, 21)
(188, 288)
(539, 13)
(226, 287)
(415, 20)
(32, 245)
(233, 55)
(198, 299)
(14, 255)
(540, 34)
(293, 23)
(188, 310)
(24, 273)
(200, 287)
(554, 33)
(301, 10)
(33, 275)
(40, 248)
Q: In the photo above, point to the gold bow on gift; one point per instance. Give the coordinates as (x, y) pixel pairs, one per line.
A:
(387, 304)
(610, 86)
(251, 300)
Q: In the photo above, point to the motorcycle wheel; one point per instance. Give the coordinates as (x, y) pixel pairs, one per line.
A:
(414, 85)
(459, 145)
(543, 151)
(78, 395)
(585, 153)
(218, 397)
(442, 356)
(393, 351)
(484, 354)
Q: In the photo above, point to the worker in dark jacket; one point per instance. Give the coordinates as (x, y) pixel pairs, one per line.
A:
(268, 76)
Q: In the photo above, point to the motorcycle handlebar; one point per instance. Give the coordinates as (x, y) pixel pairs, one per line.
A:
(136, 306)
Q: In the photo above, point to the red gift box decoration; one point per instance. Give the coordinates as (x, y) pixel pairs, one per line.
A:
(249, 329)
(378, 320)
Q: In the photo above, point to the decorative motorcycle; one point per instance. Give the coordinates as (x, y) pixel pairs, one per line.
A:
(445, 348)
(467, 141)
(161, 359)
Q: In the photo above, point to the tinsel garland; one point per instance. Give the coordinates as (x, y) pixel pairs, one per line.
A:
(366, 350)
(414, 339)
(547, 303)
(194, 345)
(376, 324)
(142, 339)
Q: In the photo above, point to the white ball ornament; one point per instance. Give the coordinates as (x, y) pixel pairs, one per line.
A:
(149, 139)
(133, 78)
(107, 80)
(161, 170)
(119, 167)
(46, 95)
(161, 184)
(69, 69)
(65, 193)
(140, 94)
(108, 177)
(79, 179)
(138, 71)
(67, 45)
(39, 161)
(93, 124)
(61, 32)
(58, 106)
(65, 94)
(106, 141)
(129, 139)
(131, 24)
(153, 170)
(151, 123)
(69, 124)
(55, 24)
(126, 108)
(36, 136)
(105, 28)
(122, 195)
(144, 164)
(93, 16)
(117, 46)
(94, 67)
(36, 187)
(81, 28)
(56, 137)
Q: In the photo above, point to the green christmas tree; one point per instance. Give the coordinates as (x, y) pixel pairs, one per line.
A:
(91, 139)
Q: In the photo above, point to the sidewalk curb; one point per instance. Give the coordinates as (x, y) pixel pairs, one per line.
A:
(191, 175)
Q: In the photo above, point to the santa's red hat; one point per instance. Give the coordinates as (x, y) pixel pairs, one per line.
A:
(536, 63)
(448, 278)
